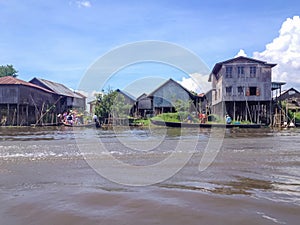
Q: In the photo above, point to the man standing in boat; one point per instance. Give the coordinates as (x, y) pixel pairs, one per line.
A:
(95, 119)
(228, 119)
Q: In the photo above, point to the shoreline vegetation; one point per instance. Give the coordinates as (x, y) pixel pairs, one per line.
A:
(182, 117)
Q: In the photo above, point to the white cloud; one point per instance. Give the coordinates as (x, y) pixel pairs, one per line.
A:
(241, 53)
(196, 82)
(82, 3)
(285, 51)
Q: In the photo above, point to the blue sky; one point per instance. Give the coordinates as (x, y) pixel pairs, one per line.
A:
(60, 39)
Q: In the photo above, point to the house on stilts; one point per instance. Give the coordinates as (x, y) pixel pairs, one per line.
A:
(24, 103)
(242, 88)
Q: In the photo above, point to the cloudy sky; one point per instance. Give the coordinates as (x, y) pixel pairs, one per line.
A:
(60, 39)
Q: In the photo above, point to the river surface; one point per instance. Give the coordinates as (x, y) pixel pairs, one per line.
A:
(48, 177)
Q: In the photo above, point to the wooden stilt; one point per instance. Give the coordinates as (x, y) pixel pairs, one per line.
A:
(27, 114)
(18, 114)
(234, 111)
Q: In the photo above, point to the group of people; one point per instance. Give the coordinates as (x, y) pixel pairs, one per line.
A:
(203, 118)
(71, 117)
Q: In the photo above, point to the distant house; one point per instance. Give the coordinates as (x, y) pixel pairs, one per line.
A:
(292, 99)
(241, 87)
(144, 106)
(163, 98)
(128, 99)
(68, 99)
(24, 103)
(92, 106)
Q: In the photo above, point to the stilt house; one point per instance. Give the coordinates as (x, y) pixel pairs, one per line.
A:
(241, 87)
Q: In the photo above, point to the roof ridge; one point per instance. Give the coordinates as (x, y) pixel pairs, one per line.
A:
(16, 81)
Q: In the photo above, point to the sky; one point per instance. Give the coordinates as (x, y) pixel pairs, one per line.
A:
(60, 40)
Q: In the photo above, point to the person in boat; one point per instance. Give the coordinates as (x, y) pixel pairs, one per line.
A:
(202, 117)
(189, 118)
(95, 119)
(228, 119)
(70, 119)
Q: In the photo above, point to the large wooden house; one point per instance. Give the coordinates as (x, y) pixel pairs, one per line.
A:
(67, 99)
(24, 103)
(241, 87)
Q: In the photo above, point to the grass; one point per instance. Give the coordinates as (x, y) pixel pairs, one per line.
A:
(144, 122)
(181, 117)
(167, 117)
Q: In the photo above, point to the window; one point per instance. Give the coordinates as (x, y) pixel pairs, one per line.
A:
(240, 71)
(252, 91)
(229, 90)
(228, 71)
(252, 71)
(240, 90)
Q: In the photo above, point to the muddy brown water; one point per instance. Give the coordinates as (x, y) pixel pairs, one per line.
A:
(45, 179)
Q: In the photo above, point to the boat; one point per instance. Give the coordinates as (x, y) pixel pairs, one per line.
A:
(93, 124)
(47, 124)
(203, 125)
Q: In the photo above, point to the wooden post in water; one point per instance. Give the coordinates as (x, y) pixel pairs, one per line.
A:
(7, 114)
(27, 114)
(234, 110)
(18, 114)
(258, 112)
(246, 113)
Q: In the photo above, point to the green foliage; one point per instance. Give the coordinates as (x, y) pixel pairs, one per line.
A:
(176, 117)
(182, 106)
(144, 122)
(8, 70)
(111, 105)
(167, 117)
(119, 108)
(291, 115)
(297, 117)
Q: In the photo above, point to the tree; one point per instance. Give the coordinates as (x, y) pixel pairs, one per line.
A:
(8, 70)
(111, 105)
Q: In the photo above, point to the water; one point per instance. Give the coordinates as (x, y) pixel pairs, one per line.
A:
(45, 179)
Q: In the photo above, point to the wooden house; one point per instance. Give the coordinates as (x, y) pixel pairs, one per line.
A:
(68, 99)
(241, 87)
(291, 97)
(163, 99)
(129, 100)
(24, 103)
(144, 106)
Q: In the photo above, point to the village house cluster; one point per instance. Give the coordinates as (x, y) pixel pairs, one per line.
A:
(36, 101)
(241, 87)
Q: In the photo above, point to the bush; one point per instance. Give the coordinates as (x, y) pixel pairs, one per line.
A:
(167, 117)
(213, 118)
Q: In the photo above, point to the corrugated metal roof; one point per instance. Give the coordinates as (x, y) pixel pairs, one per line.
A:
(59, 88)
(168, 81)
(12, 80)
(130, 96)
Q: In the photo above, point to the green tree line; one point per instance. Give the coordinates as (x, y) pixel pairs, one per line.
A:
(8, 70)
